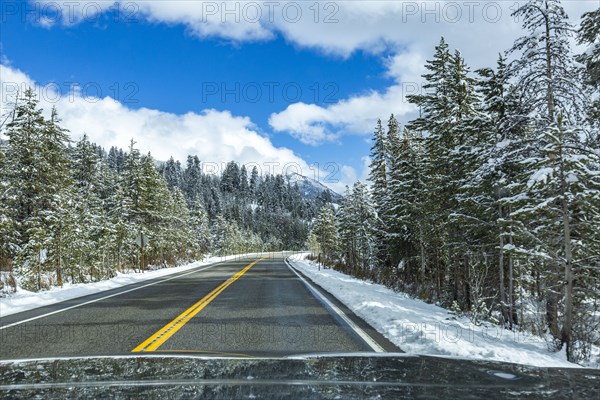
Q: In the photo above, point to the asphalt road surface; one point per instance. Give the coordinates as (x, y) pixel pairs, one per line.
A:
(256, 307)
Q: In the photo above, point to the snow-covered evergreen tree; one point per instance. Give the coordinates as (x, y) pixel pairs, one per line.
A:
(326, 231)
(357, 219)
(407, 196)
(124, 232)
(192, 179)
(40, 186)
(173, 174)
(589, 36)
(503, 141)
(200, 229)
(378, 178)
(546, 73)
(8, 233)
(557, 208)
(254, 181)
(447, 111)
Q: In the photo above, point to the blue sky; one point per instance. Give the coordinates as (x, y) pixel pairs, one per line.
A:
(310, 90)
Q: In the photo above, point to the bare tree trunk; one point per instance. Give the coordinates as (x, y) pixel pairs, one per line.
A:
(552, 302)
(511, 294)
(422, 255)
(466, 279)
(59, 280)
(550, 87)
(501, 279)
(39, 274)
(453, 265)
(440, 273)
(566, 334)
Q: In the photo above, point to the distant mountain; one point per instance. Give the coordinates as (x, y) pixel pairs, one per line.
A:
(311, 188)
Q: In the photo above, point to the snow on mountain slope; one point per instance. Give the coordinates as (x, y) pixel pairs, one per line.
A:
(311, 188)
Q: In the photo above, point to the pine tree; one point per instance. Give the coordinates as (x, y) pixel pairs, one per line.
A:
(434, 105)
(378, 179)
(500, 147)
(356, 231)
(55, 172)
(589, 35)
(200, 229)
(378, 169)
(392, 147)
(448, 110)
(254, 181)
(124, 232)
(549, 81)
(173, 174)
(224, 236)
(325, 229)
(23, 151)
(397, 241)
(557, 207)
(436, 123)
(162, 217)
(406, 192)
(8, 234)
(90, 243)
(39, 184)
(244, 185)
(545, 70)
(346, 226)
(179, 238)
(230, 181)
(192, 179)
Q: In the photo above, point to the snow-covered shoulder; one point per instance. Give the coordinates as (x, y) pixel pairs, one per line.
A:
(420, 328)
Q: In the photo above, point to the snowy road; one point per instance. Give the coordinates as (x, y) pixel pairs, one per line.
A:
(237, 308)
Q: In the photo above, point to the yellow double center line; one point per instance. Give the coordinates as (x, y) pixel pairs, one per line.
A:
(156, 340)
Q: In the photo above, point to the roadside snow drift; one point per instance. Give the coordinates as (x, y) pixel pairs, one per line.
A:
(421, 328)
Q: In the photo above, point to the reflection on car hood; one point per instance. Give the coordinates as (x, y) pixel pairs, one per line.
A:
(312, 376)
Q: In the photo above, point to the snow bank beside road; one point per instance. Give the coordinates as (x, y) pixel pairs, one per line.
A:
(23, 300)
(421, 328)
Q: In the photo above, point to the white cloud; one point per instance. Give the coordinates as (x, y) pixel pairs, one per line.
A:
(312, 124)
(332, 27)
(216, 137)
(236, 20)
(46, 22)
(407, 28)
(365, 169)
(412, 29)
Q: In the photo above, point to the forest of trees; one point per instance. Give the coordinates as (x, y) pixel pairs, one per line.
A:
(488, 203)
(72, 212)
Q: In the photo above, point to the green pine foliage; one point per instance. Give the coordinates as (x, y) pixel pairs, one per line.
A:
(73, 213)
(589, 36)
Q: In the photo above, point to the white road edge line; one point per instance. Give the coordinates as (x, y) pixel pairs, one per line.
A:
(357, 329)
(107, 297)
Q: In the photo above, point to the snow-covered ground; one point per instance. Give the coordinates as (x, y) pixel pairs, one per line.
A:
(420, 328)
(23, 300)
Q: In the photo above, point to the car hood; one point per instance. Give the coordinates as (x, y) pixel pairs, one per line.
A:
(302, 376)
